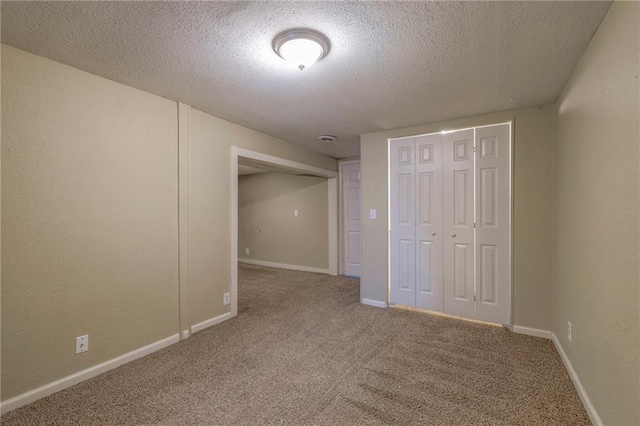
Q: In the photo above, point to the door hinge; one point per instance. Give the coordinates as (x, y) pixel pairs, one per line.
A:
(474, 225)
(474, 298)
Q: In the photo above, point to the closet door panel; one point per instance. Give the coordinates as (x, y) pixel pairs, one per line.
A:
(458, 239)
(429, 256)
(493, 223)
(403, 211)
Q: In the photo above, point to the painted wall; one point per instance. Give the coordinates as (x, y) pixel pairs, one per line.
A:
(90, 216)
(89, 219)
(266, 202)
(533, 202)
(209, 212)
(596, 277)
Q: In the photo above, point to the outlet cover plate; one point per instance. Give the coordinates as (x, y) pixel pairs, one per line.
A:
(227, 298)
(82, 344)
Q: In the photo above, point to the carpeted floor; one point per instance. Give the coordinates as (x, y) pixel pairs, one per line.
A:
(303, 351)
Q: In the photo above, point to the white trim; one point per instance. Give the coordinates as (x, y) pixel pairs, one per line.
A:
(283, 163)
(512, 185)
(210, 322)
(375, 303)
(341, 258)
(582, 393)
(444, 132)
(233, 209)
(283, 266)
(332, 207)
(186, 334)
(535, 332)
(75, 378)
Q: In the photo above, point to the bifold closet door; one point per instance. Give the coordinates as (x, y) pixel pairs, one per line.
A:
(450, 223)
(403, 240)
(458, 223)
(429, 279)
(493, 222)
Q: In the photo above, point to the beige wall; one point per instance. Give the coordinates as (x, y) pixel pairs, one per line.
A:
(266, 202)
(596, 276)
(532, 222)
(209, 212)
(90, 217)
(89, 220)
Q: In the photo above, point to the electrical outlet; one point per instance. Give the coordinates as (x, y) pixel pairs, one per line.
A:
(246, 251)
(569, 331)
(227, 298)
(82, 344)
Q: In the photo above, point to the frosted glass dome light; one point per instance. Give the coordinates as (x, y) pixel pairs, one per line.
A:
(301, 47)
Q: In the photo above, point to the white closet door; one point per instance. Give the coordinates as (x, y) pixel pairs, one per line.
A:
(351, 219)
(493, 267)
(429, 280)
(458, 224)
(403, 246)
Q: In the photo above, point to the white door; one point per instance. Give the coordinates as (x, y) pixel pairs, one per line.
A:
(351, 218)
(403, 247)
(428, 172)
(450, 222)
(493, 221)
(458, 223)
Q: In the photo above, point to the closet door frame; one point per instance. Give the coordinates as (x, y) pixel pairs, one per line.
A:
(511, 123)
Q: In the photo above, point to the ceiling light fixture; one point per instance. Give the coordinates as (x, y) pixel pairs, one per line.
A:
(301, 47)
(327, 138)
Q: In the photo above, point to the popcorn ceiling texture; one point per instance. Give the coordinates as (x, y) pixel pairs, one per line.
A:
(391, 64)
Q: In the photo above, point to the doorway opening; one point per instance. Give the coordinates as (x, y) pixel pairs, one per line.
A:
(251, 162)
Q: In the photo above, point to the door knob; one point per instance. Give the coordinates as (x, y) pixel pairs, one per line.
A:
(433, 234)
(453, 235)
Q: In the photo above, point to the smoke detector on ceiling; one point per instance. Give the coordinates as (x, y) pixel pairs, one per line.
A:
(327, 138)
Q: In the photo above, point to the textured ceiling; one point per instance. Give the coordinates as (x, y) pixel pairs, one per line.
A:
(390, 65)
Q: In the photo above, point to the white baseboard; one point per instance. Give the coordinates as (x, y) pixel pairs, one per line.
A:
(284, 266)
(375, 303)
(591, 410)
(536, 332)
(185, 334)
(210, 322)
(65, 382)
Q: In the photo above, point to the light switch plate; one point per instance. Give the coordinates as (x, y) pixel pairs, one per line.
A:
(373, 214)
(296, 213)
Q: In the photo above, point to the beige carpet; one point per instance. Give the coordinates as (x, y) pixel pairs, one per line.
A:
(303, 351)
